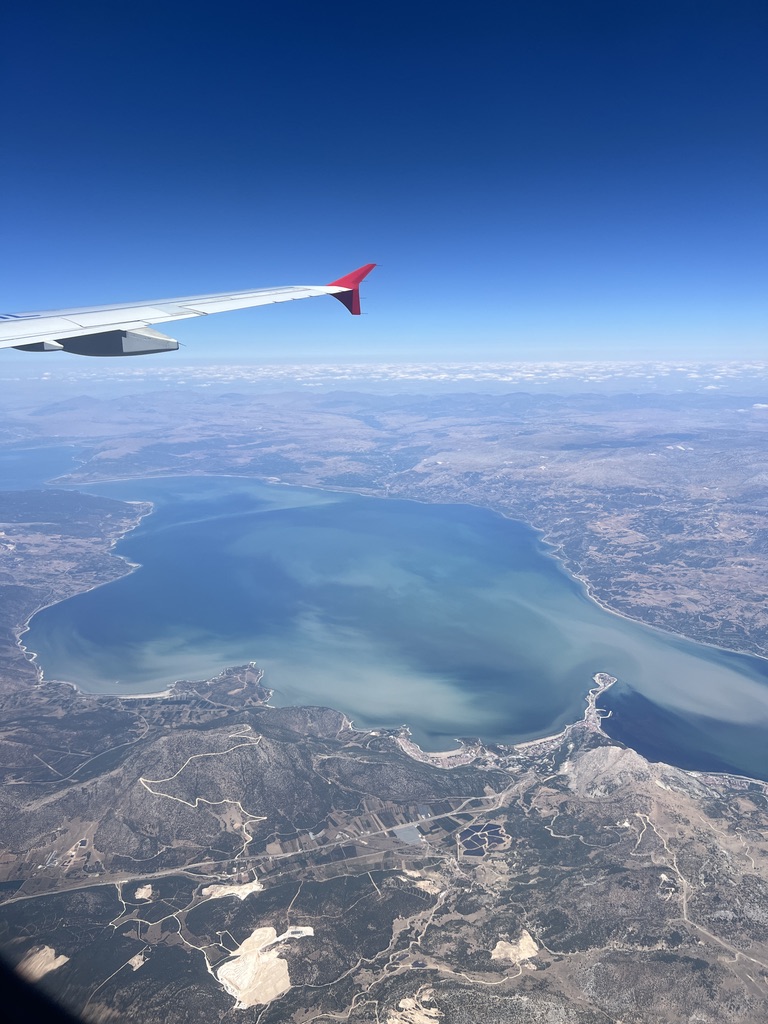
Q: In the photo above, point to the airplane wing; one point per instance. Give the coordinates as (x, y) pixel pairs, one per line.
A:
(126, 330)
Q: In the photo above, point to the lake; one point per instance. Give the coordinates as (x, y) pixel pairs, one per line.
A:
(449, 618)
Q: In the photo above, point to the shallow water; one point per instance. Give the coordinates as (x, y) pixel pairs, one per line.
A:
(449, 618)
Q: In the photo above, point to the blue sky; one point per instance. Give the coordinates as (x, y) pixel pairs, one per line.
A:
(539, 180)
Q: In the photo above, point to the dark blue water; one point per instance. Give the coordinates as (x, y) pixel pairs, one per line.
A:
(451, 619)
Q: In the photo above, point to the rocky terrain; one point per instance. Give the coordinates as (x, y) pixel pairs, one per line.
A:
(205, 855)
(178, 857)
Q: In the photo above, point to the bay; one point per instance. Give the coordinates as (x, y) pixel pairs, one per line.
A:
(25, 468)
(448, 618)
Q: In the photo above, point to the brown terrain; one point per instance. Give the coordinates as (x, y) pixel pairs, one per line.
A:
(205, 855)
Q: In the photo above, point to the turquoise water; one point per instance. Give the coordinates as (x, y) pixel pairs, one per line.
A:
(449, 618)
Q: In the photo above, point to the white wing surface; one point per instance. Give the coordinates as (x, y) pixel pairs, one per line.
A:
(127, 329)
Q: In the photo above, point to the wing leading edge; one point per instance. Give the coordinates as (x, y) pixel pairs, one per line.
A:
(127, 329)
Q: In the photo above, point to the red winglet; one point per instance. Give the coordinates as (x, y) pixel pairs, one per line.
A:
(351, 297)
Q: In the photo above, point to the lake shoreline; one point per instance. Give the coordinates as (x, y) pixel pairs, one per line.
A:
(555, 552)
(546, 548)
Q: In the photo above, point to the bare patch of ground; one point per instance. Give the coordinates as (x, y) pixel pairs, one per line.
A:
(523, 949)
(257, 973)
(215, 892)
(412, 1010)
(39, 962)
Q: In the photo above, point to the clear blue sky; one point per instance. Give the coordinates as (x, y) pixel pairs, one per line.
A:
(542, 179)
